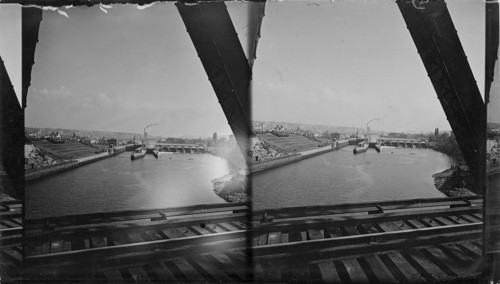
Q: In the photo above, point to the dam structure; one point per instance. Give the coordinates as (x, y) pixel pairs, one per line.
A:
(181, 148)
(404, 142)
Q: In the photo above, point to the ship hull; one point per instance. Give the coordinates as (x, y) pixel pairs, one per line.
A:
(138, 154)
(359, 150)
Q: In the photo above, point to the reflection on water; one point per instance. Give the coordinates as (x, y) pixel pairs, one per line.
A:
(121, 184)
(341, 177)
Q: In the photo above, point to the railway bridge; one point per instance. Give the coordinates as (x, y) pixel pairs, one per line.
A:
(446, 240)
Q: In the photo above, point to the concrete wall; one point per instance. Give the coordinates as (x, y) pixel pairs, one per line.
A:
(274, 163)
(71, 165)
(315, 152)
(50, 171)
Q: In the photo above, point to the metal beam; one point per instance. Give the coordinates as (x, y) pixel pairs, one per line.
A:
(491, 215)
(491, 47)
(214, 37)
(437, 42)
(256, 14)
(11, 137)
(31, 24)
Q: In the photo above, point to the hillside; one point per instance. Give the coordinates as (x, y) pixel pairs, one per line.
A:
(84, 133)
(289, 144)
(312, 127)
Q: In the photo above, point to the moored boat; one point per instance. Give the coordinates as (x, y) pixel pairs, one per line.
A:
(360, 148)
(374, 144)
(138, 153)
(132, 147)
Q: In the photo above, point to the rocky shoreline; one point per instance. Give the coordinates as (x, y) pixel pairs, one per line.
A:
(454, 182)
(232, 187)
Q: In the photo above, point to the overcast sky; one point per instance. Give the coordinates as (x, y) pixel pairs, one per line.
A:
(347, 62)
(339, 63)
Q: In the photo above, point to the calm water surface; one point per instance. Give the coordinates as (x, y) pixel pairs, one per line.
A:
(120, 184)
(342, 177)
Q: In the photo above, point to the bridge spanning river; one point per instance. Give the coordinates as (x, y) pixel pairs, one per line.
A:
(181, 148)
(172, 147)
(404, 142)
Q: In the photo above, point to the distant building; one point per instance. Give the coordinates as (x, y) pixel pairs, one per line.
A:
(102, 141)
(397, 135)
(214, 137)
(279, 130)
(55, 135)
(112, 141)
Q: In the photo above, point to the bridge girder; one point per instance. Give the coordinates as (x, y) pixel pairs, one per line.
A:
(11, 111)
(437, 42)
(11, 136)
(31, 18)
(219, 49)
(491, 214)
(491, 46)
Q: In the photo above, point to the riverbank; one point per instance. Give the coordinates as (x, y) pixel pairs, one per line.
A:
(454, 182)
(282, 160)
(49, 170)
(232, 188)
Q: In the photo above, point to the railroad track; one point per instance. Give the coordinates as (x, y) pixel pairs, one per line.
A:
(400, 241)
(404, 241)
(11, 230)
(171, 244)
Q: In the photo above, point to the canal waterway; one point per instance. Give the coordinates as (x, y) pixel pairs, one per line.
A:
(342, 177)
(121, 184)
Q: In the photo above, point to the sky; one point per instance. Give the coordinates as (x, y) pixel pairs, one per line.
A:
(10, 44)
(337, 63)
(121, 70)
(347, 62)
